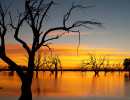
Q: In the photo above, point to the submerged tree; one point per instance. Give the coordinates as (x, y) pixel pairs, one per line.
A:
(38, 62)
(45, 61)
(34, 14)
(94, 62)
(106, 66)
(55, 61)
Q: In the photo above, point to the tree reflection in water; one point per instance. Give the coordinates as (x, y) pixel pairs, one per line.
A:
(66, 84)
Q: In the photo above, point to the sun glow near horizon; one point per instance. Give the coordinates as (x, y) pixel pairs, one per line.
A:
(68, 54)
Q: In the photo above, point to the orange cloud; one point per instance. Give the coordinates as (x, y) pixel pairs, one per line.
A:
(73, 33)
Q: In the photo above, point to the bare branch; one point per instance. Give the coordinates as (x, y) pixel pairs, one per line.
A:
(47, 45)
(67, 15)
(58, 36)
(49, 5)
(37, 11)
(3, 30)
(84, 23)
(6, 9)
(11, 23)
(21, 19)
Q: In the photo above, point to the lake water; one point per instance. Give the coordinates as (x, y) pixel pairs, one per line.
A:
(68, 85)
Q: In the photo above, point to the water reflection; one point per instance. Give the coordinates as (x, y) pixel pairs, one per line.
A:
(69, 84)
(11, 73)
(127, 84)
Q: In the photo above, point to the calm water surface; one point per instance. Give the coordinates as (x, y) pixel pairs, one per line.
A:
(68, 85)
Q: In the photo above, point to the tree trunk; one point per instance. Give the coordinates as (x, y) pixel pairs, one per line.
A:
(31, 61)
(37, 74)
(26, 88)
(27, 80)
(2, 47)
(96, 72)
(55, 67)
(6, 59)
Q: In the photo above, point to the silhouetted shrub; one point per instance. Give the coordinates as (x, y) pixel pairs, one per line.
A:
(126, 64)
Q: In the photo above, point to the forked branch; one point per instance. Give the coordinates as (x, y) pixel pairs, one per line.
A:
(21, 19)
(81, 23)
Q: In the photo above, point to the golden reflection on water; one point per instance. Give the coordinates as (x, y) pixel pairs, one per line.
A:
(69, 84)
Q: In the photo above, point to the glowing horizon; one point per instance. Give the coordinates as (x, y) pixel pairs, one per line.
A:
(68, 54)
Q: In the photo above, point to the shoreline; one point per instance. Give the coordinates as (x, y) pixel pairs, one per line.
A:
(65, 70)
(71, 98)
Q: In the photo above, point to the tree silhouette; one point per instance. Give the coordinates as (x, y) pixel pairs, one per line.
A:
(94, 62)
(126, 64)
(55, 61)
(45, 61)
(34, 14)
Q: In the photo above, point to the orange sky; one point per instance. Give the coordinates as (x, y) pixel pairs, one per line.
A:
(68, 54)
(73, 33)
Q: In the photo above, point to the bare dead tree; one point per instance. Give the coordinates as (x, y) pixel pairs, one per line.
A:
(106, 66)
(119, 66)
(38, 60)
(5, 58)
(94, 62)
(3, 32)
(55, 61)
(36, 16)
(85, 64)
(35, 13)
(45, 61)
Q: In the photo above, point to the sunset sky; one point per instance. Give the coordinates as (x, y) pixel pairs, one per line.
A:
(113, 41)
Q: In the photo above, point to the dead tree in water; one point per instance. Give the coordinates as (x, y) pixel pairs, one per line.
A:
(38, 62)
(94, 62)
(34, 14)
(55, 61)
